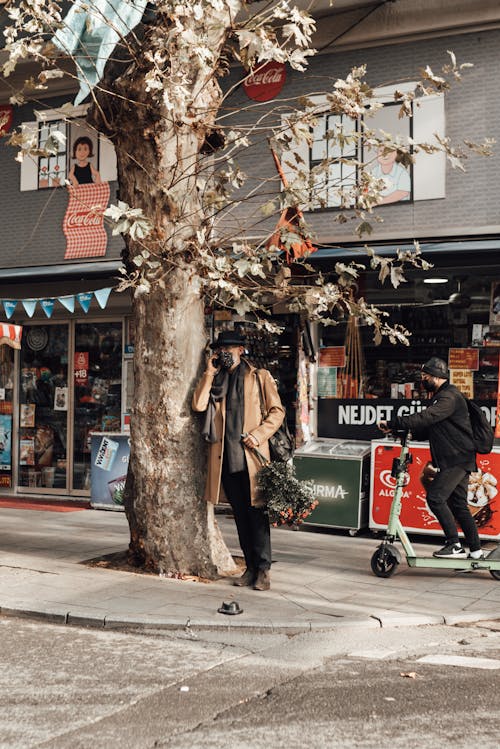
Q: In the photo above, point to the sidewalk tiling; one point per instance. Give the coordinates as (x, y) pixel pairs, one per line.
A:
(319, 580)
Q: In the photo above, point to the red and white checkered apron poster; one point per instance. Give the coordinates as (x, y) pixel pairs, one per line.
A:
(83, 224)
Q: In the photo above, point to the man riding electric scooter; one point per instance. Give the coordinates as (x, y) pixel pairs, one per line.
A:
(446, 424)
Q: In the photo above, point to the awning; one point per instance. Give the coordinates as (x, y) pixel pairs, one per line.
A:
(56, 272)
(427, 246)
(11, 335)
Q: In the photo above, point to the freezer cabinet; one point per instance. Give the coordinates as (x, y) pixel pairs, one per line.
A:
(340, 471)
(483, 497)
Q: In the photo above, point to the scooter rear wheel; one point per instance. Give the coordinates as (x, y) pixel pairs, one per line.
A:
(383, 563)
(495, 574)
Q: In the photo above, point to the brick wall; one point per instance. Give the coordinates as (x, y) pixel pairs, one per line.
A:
(32, 226)
(32, 221)
(472, 111)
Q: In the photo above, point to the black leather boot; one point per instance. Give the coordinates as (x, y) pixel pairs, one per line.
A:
(263, 581)
(247, 578)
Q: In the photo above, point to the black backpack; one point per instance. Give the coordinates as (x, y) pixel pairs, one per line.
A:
(482, 433)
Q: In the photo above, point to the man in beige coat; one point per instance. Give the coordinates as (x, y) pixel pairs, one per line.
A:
(235, 424)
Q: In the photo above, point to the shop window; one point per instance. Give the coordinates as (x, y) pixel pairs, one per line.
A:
(43, 407)
(424, 180)
(54, 170)
(98, 390)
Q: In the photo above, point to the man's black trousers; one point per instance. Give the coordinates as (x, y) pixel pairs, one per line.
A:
(447, 498)
(252, 523)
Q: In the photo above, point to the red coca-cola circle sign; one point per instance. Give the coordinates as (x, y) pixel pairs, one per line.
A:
(266, 81)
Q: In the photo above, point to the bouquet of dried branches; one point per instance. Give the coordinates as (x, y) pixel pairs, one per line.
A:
(288, 500)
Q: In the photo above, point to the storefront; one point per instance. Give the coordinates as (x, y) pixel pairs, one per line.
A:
(453, 312)
(72, 376)
(70, 384)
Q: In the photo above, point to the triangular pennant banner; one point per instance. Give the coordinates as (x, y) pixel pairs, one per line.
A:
(68, 302)
(85, 300)
(29, 306)
(47, 306)
(102, 296)
(9, 306)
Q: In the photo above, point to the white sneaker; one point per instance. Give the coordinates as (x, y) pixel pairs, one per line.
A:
(476, 554)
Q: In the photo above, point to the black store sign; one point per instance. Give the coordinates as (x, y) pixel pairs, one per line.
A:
(357, 419)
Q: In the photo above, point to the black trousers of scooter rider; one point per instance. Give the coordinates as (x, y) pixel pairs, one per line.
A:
(447, 499)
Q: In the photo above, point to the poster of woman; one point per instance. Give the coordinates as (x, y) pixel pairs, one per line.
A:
(387, 164)
(396, 178)
(83, 171)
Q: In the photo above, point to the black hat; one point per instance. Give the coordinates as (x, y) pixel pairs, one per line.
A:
(233, 607)
(436, 367)
(228, 338)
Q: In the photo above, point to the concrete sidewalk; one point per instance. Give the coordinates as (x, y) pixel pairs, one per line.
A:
(319, 581)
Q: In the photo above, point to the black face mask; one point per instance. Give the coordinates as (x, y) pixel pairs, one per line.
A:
(224, 359)
(429, 385)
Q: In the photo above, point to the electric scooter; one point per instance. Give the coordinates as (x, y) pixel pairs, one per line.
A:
(387, 556)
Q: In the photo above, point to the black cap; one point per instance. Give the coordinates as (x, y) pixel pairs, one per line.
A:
(228, 338)
(436, 367)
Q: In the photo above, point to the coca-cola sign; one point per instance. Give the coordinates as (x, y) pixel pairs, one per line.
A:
(266, 81)
(83, 223)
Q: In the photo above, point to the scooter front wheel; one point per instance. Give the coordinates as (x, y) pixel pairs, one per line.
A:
(495, 574)
(383, 562)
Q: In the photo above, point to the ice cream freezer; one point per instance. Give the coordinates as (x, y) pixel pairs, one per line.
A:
(483, 495)
(339, 470)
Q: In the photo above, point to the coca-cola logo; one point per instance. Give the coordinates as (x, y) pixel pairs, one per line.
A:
(266, 81)
(76, 220)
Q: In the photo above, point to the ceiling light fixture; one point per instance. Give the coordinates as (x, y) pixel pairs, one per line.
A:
(435, 280)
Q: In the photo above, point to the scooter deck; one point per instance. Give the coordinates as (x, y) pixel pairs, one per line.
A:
(487, 563)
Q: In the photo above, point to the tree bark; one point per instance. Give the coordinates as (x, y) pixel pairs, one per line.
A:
(158, 150)
(169, 520)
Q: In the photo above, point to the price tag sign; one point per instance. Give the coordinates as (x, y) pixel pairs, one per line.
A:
(463, 358)
(332, 356)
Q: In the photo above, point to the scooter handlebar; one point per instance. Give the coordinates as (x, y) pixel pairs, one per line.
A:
(403, 435)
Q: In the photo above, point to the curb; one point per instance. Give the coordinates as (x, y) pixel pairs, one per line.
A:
(386, 619)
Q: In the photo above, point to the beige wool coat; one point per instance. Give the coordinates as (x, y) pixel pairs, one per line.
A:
(253, 423)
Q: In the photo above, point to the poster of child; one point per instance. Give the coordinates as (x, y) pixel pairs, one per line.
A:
(397, 182)
(83, 172)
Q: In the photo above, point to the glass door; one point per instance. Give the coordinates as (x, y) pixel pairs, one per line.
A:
(98, 390)
(44, 407)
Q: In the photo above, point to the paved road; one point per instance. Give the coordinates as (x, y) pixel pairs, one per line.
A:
(63, 687)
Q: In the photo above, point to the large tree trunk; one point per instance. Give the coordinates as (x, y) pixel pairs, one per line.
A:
(158, 147)
(170, 526)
